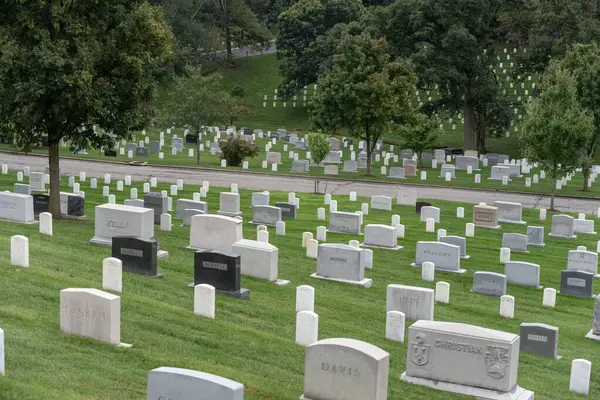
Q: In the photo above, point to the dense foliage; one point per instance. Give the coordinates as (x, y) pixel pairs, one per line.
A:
(67, 67)
(235, 149)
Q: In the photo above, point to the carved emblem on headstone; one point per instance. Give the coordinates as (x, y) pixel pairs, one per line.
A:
(496, 360)
(420, 351)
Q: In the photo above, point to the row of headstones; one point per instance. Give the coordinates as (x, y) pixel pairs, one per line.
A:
(101, 321)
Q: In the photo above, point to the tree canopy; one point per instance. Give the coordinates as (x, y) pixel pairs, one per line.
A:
(365, 91)
(67, 66)
(583, 61)
(556, 128)
(302, 43)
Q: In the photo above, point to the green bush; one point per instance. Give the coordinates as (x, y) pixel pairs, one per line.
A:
(235, 149)
(319, 147)
(237, 91)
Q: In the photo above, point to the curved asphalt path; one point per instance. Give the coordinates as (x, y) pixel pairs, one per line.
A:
(258, 181)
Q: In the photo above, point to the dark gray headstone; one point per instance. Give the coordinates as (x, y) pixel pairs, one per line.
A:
(41, 203)
(191, 138)
(154, 147)
(137, 255)
(576, 283)
(141, 152)
(110, 153)
(288, 210)
(220, 270)
(75, 206)
(539, 339)
(489, 283)
(159, 204)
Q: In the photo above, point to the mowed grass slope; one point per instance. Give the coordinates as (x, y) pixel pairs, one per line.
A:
(253, 341)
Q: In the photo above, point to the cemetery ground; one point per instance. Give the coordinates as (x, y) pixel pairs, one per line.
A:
(252, 342)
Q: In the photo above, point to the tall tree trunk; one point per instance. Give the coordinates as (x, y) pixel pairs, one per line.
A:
(369, 151)
(469, 136)
(586, 177)
(228, 43)
(198, 147)
(480, 139)
(552, 195)
(53, 161)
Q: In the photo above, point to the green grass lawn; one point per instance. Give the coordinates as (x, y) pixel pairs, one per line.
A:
(253, 341)
(574, 188)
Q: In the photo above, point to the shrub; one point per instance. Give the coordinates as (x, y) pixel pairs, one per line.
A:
(235, 149)
(319, 147)
(237, 91)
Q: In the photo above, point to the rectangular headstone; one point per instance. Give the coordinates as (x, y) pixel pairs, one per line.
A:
(260, 199)
(266, 215)
(345, 369)
(166, 383)
(155, 201)
(383, 236)
(185, 204)
(576, 283)
(137, 255)
(381, 203)
(16, 207)
(113, 220)
(522, 273)
(445, 256)
(415, 302)
(580, 260)
(489, 283)
(220, 270)
(288, 210)
(258, 259)
(562, 227)
(508, 212)
(539, 339)
(91, 313)
(340, 261)
(344, 222)
(488, 358)
(214, 232)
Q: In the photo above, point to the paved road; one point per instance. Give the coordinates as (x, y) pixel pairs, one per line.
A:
(241, 52)
(291, 183)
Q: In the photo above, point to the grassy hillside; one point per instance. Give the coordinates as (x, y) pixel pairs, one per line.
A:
(259, 76)
(253, 341)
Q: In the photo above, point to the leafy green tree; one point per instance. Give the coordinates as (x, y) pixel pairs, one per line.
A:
(67, 66)
(583, 61)
(201, 26)
(556, 128)
(319, 147)
(547, 28)
(451, 44)
(235, 149)
(364, 91)
(237, 23)
(493, 110)
(302, 43)
(421, 134)
(198, 101)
